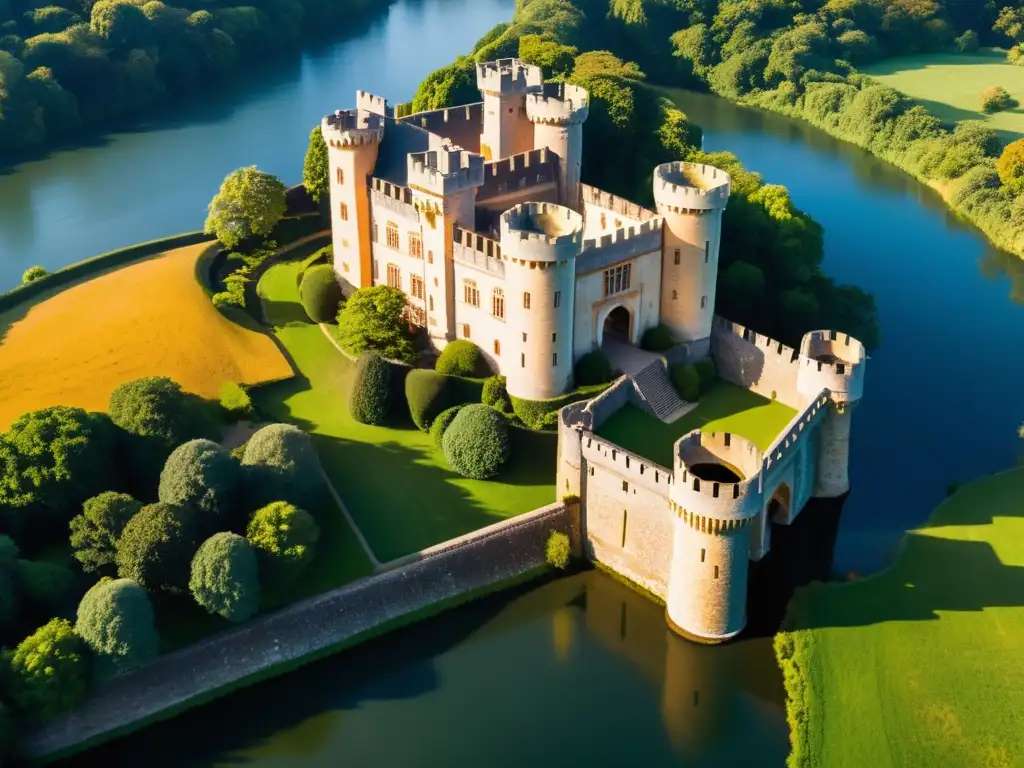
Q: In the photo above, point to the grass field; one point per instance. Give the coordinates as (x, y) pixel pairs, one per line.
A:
(724, 408)
(922, 664)
(148, 318)
(950, 85)
(394, 481)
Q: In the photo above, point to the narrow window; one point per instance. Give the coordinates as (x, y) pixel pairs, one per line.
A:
(554, 359)
(703, 552)
(430, 257)
(497, 347)
(431, 303)
(394, 276)
(416, 284)
(465, 330)
(558, 299)
(604, 221)
(625, 485)
(703, 302)
(674, 295)
(375, 275)
(676, 256)
(470, 293)
(341, 176)
(526, 301)
(498, 303)
(716, 571)
(522, 360)
(376, 237)
(343, 210)
(554, 337)
(625, 514)
(707, 250)
(344, 266)
(524, 336)
(392, 235)
(435, 282)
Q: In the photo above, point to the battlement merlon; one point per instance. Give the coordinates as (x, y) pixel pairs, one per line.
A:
(716, 506)
(347, 128)
(834, 361)
(507, 77)
(445, 171)
(558, 104)
(378, 105)
(683, 187)
(541, 232)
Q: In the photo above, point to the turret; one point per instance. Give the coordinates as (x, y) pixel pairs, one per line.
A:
(716, 493)
(539, 244)
(833, 361)
(353, 138)
(558, 112)
(504, 85)
(692, 198)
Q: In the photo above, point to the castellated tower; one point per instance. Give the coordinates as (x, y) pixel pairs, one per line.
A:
(692, 198)
(539, 244)
(504, 85)
(558, 112)
(836, 361)
(715, 495)
(353, 138)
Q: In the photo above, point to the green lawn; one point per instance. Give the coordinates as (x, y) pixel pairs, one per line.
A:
(950, 85)
(724, 408)
(394, 481)
(922, 664)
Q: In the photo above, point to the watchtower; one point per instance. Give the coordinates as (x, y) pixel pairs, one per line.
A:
(558, 111)
(539, 244)
(504, 85)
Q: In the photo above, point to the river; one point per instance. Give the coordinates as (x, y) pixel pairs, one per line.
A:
(580, 670)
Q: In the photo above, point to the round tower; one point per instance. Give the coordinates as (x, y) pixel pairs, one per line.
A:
(833, 361)
(692, 198)
(558, 113)
(715, 494)
(353, 138)
(539, 244)
(504, 84)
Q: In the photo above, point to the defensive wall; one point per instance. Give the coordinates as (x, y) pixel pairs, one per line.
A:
(461, 125)
(527, 176)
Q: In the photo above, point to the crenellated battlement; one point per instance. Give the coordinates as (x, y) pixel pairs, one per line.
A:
(526, 169)
(624, 243)
(393, 191)
(348, 128)
(711, 503)
(445, 170)
(541, 232)
(508, 76)
(558, 104)
(690, 187)
(789, 439)
(368, 102)
(614, 204)
(624, 233)
(630, 466)
(477, 251)
(834, 361)
(766, 344)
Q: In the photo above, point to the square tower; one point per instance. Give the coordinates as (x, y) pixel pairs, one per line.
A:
(504, 85)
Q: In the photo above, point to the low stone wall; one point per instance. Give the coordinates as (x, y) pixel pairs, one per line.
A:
(308, 628)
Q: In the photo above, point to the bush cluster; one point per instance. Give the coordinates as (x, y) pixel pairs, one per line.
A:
(320, 293)
(95, 532)
(495, 394)
(236, 401)
(156, 547)
(657, 338)
(32, 274)
(687, 382)
(428, 393)
(116, 621)
(224, 577)
(593, 368)
(202, 475)
(242, 264)
(284, 538)
(443, 421)
(995, 98)
(462, 358)
(476, 443)
(283, 466)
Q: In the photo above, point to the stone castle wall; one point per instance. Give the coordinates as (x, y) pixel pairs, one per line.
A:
(459, 124)
(756, 362)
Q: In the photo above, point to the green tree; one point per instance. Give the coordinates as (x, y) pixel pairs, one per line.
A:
(49, 671)
(202, 475)
(120, 24)
(116, 621)
(553, 58)
(32, 274)
(448, 86)
(284, 538)
(283, 464)
(156, 547)
(94, 532)
(225, 580)
(44, 588)
(249, 204)
(316, 168)
(1010, 167)
(476, 444)
(320, 293)
(1010, 22)
(374, 319)
(371, 395)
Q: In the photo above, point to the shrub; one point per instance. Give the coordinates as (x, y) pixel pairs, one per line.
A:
(967, 42)
(543, 414)
(284, 538)
(374, 318)
(657, 339)
(225, 580)
(995, 98)
(1010, 167)
(428, 393)
(557, 550)
(320, 293)
(236, 401)
(687, 382)
(46, 587)
(116, 620)
(284, 464)
(593, 368)
(443, 421)
(495, 394)
(462, 358)
(48, 671)
(476, 444)
(705, 372)
(32, 274)
(371, 390)
(157, 546)
(201, 475)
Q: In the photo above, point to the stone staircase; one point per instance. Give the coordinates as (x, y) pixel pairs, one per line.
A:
(655, 389)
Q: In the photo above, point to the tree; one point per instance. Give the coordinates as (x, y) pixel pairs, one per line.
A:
(116, 621)
(48, 671)
(476, 444)
(284, 538)
(462, 357)
(283, 465)
(448, 86)
(249, 204)
(202, 475)
(320, 293)
(995, 98)
(44, 588)
(370, 400)
(94, 532)
(594, 368)
(374, 319)
(1010, 167)
(32, 274)
(120, 24)
(553, 58)
(225, 580)
(1011, 23)
(157, 546)
(316, 167)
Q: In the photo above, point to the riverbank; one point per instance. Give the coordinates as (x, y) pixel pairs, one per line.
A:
(928, 649)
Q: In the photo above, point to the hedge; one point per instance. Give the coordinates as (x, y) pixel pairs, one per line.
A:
(542, 414)
(593, 368)
(370, 400)
(476, 443)
(442, 422)
(657, 339)
(462, 358)
(687, 382)
(429, 392)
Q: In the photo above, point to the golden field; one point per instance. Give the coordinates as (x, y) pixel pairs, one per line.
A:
(146, 319)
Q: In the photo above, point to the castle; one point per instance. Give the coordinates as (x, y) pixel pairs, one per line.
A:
(478, 215)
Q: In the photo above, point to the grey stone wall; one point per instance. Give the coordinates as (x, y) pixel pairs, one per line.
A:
(753, 361)
(619, 394)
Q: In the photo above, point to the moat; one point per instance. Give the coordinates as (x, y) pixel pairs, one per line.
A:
(582, 654)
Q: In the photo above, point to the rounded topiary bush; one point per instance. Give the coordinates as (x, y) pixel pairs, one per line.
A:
(320, 293)
(442, 422)
(48, 671)
(462, 358)
(593, 368)
(202, 475)
(495, 394)
(95, 532)
(283, 464)
(687, 382)
(284, 538)
(558, 550)
(369, 402)
(225, 578)
(116, 621)
(477, 444)
(428, 393)
(657, 339)
(157, 546)
(32, 274)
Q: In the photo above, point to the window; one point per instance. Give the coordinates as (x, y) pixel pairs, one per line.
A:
(435, 282)
(375, 275)
(707, 250)
(430, 303)
(616, 279)
(618, 224)
(344, 266)
(604, 221)
(675, 295)
(465, 330)
(340, 175)
(392, 235)
(394, 276)
(554, 359)
(498, 303)
(526, 301)
(415, 246)
(430, 257)
(470, 293)
(376, 233)
(522, 360)
(343, 210)
(703, 302)
(625, 486)
(416, 286)
(716, 571)
(676, 256)
(497, 347)
(524, 336)
(558, 299)
(702, 553)
(554, 337)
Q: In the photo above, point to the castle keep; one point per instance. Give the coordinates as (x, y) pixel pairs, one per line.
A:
(478, 215)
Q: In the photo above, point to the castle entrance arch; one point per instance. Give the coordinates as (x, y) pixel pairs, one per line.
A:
(777, 513)
(617, 325)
